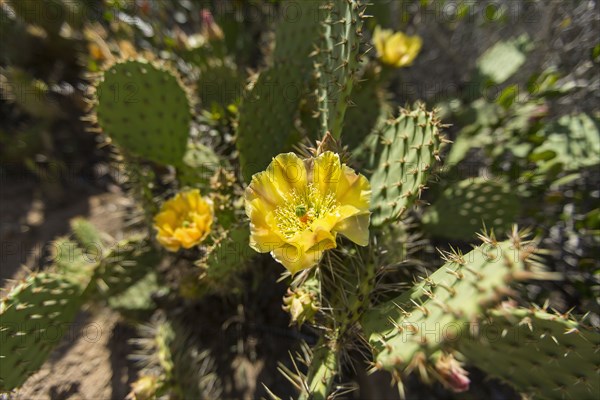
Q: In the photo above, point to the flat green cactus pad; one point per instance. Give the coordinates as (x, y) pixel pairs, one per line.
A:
(437, 311)
(145, 110)
(266, 119)
(367, 113)
(467, 206)
(33, 318)
(409, 147)
(504, 59)
(337, 61)
(546, 355)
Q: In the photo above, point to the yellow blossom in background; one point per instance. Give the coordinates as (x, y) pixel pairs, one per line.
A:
(396, 49)
(297, 207)
(184, 221)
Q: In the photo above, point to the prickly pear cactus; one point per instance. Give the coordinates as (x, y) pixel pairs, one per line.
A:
(409, 147)
(467, 206)
(295, 37)
(546, 355)
(88, 236)
(504, 59)
(221, 84)
(337, 61)
(145, 109)
(34, 316)
(573, 142)
(437, 310)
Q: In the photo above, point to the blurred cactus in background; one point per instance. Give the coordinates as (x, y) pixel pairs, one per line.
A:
(272, 133)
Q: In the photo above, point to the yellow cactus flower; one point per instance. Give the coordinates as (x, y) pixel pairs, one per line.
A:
(297, 207)
(184, 221)
(396, 49)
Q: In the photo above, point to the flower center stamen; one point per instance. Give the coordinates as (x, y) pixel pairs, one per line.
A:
(301, 209)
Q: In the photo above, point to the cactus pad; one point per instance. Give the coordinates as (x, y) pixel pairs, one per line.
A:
(408, 149)
(337, 61)
(33, 318)
(367, 112)
(144, 108)
(465, 207)
(199, 165)
(546, 355)
(438, 309)
(266, 120)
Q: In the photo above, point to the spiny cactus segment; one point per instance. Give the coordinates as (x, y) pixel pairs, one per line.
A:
(34, 316)
(408, 150)
(337, 61)
(437, 310)
(173, 363)
(145, 109)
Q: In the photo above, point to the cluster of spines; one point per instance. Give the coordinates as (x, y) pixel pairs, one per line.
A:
(125, 264)
(408, 149)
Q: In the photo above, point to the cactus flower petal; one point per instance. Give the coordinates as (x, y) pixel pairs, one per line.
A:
(297, 207)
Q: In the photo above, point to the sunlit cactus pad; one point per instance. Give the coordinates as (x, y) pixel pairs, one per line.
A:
(144, 108)
(409, 147)
(438, 309)
(34, 316)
